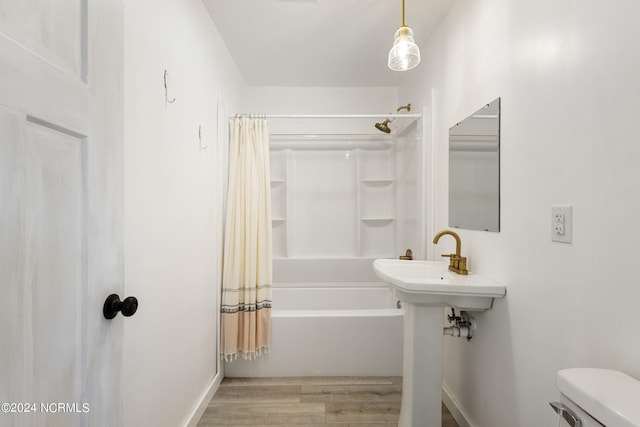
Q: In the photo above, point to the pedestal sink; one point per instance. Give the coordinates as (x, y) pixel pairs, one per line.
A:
(425, 287)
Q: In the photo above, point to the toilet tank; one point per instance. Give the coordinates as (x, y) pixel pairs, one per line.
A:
(598, 397)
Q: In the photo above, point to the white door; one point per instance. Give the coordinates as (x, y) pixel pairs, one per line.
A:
(61, 211)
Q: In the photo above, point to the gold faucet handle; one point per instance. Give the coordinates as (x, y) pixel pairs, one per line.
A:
(408, 255)
(462, 266)
(452, 256)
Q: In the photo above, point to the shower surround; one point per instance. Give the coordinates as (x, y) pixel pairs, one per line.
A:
(338, 202)
(333, 200)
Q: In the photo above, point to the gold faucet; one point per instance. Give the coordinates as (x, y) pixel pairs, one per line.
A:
(408, 255)
(457, 263)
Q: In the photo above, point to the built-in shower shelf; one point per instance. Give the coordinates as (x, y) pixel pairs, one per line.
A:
(278, 219)
(277, 181)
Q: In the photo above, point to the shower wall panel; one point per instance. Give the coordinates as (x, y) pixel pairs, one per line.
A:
(410, 192)
(323, 204)
(333, 202)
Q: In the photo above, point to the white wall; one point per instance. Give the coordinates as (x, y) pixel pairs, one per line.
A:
(567, 73)
(173, 206)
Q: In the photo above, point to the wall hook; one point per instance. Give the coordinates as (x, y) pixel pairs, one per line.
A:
(202, 146)
(166, 90)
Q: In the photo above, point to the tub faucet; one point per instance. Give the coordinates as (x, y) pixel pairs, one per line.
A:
(408, 255)
(457, 263)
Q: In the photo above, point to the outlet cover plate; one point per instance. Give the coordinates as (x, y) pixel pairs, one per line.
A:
(562, 223)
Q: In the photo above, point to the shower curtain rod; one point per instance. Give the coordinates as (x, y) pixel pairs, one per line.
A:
(331, 116)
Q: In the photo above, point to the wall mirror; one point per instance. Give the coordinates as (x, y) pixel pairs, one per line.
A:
(474, 170)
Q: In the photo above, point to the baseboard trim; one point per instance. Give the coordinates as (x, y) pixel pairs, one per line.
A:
(196, 414)
(454, 408)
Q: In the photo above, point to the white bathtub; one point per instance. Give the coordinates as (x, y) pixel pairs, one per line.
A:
(329, 318)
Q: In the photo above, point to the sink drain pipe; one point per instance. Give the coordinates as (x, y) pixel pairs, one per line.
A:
(464, 325)
(459, 331)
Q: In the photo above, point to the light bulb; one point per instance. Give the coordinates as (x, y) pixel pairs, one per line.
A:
(404, 54)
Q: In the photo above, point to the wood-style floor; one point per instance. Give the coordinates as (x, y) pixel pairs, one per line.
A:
(309, 402)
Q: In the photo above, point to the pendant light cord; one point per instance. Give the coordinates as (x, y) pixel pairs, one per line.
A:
(403, 13)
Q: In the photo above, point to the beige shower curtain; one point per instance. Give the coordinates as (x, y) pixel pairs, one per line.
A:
(246, 271)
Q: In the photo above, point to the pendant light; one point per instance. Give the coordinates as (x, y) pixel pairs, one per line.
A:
(404, 54)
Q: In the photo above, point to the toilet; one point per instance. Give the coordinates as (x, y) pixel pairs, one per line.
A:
(597, 397)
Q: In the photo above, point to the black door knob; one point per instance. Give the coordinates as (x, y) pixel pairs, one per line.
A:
(113, 305)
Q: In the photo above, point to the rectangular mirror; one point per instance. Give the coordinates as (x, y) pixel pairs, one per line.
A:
(474, 170)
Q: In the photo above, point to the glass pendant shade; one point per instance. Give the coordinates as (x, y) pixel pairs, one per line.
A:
(404, 54)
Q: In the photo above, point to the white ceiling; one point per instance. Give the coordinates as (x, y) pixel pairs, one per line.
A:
(320, 42)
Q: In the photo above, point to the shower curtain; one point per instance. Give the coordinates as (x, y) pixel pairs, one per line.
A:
(246, 271)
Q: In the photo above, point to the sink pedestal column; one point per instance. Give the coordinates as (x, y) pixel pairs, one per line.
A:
(422, 366)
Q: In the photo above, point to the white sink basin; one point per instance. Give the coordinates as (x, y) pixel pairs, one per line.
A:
(431, 283)
(425, 287)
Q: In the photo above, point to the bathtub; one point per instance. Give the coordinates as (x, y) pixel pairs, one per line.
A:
(330, 317)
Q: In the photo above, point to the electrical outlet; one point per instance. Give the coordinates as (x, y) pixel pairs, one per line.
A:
(561, 224)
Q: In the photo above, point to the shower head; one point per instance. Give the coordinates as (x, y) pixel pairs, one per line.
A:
(383, 126)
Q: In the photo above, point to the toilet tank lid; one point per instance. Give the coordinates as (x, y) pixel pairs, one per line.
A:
(611, 397)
